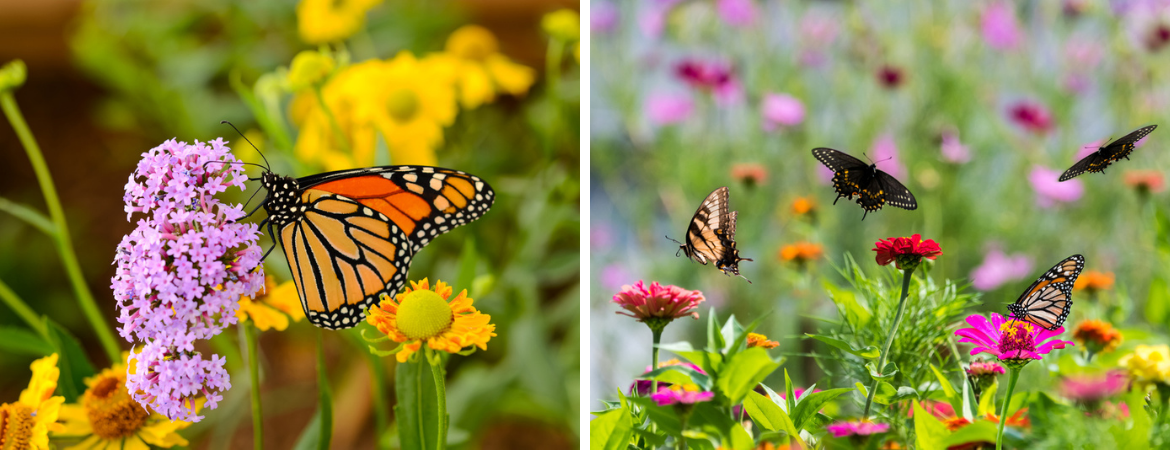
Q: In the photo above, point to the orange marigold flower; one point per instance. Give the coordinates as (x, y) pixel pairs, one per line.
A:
(421, 314)
(1019, 419)
(954, 423)
(1093, 281)
(1097, 335)
(803, 205)
(1145, 181)
(759, 340)
(750, 174)
(801, 252)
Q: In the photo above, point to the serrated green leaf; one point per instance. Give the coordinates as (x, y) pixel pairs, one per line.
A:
(611, 431)
(867, 352)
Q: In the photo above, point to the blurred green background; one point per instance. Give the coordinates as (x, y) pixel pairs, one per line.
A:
(109, 79)
(982, 105)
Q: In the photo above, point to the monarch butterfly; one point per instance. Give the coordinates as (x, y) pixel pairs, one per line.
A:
(711, 235)
(873, 187)
(1048, 301)
(349, 235)
(1107, 154)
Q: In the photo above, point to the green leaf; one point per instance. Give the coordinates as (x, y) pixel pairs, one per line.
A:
(311, 434)
(868, 352)
(887, 394)
(32, 216)
(969, 403)
(929, 431)
(74, 366)
(23, 342)
(665, 417)
(977, 431)
(1138, 436)
(679, 374)
(808, 406)
(789, 394)
(742, 334)
(887, 372)
(611, 431)
(730, 332)
(987, 401)
(417, 412)
(1158, 301)
(743, 372)
(855, 313)
(707, 361)
(768, 415)
(948, 390)
(714, 338)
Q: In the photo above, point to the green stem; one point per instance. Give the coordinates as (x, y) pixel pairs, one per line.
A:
(62, 239)
(254, 372)
(342, 140)
(906, 275)
(324, 396)
(381, 412)
(1015, 375)
(654, 358)
(440, 375)
(682, 440)
(13, 301)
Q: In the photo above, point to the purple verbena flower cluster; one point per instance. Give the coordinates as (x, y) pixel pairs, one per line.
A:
(181, 272)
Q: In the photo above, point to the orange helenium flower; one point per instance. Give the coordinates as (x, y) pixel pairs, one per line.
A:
(1097, 335)
(801, 252)
(421, 314)
(1093, 281)
(759, 340)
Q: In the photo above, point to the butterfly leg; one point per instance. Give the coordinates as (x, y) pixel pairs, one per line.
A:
(838, 198)
(866, 214)
(273, 247)
(257, 208)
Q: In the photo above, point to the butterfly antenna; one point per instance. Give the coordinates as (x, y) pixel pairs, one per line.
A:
(676, 242)
(268, 166)
(232, 163)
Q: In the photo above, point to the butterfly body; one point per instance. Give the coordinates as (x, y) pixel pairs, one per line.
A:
(711, 235)
(1048, 301)
(1107, 154)
(349, 236)
(865, 183)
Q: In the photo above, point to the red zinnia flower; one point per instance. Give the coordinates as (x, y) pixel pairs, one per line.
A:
(906, 251)
(1031, 116)
(890, 77)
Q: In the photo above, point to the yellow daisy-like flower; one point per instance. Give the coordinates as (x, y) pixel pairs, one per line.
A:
(26, 423)
(325, 21)
(274, 307)
(309, 68)
(423, 314)
(396, 100)
(106, 417)
(1148, 364)
(474, 64)
(563, 24)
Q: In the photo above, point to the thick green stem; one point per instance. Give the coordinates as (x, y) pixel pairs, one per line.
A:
(440, 375)
(885, 356)
(654, 358)
(324, 396)
(61, 237)
(1015, 375)
(254, 373)
(381, 411)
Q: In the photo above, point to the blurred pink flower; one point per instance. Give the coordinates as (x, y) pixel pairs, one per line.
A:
(980, 368)
(884, 148)
(614, 276)
(1009, 340)
(1032, 116)
(1050, 192)
(857, 428)
(657, 301)
(737, 13)
(1092, 388)
(954, 151)
(680, 394)
(603, 16)
(1001, 30)
(824, 174)
(668, 109)
(890, 77)
(652, 18)
(1158, 36)
(998, 268)
(818, 30)
(781, 110)
(715, 77)
(1083, 54)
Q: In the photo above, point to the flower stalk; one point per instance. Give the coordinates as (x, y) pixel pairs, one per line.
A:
(906, 273)
(61, 230)
(1013, 376)
(654, 356)
(324, 396)
(440, 377)
(254, 373)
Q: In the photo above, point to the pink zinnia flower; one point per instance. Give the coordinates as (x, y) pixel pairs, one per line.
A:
(737, 13)
(999, 268)
(681, 395)
(857, 428)
(644, 386)
(716, 77)
(1013, 341)
(781, 110)
(668, 109)
(885, 149)
(603, 16)
(890, 77)
(1049, 191)
(954, 151)
(981, 368)
(1093, 388)
(1031, 116)
(658, 302)
(652, 19)
(1001, 31)
(907, 252)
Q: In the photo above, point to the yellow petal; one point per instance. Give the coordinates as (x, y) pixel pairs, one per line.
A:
(43, 381)
(512, 78)
(75, 421)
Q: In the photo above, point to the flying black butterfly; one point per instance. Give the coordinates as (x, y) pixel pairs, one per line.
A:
(711, 235)
(873, 187)
(1048, 301)
(1108, 154)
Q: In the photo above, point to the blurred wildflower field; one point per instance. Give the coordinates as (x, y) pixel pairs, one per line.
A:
(977, 107)
(118, 136)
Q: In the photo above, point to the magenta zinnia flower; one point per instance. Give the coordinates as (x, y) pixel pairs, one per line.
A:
(857, 428)
(737, 13)
(681, 395)
(906, 251)
(1031, 116)
(953, 151)
(658, 302)
(999, 268)
(1012, 341)
(781, 110)
(181, 272)
(1001, 31)
(668, 109)
(1093, 388)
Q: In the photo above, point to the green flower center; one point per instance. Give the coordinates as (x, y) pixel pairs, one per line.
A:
(423, 314)
(402, 104)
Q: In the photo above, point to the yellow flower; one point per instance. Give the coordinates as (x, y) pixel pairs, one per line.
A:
(309, 68)
(563, 24)
(325, 21)
(396, 100)
(474, 64)
(274, 307)
(422, 314)
(26, 423)
(1148, 364)
(107, 417)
